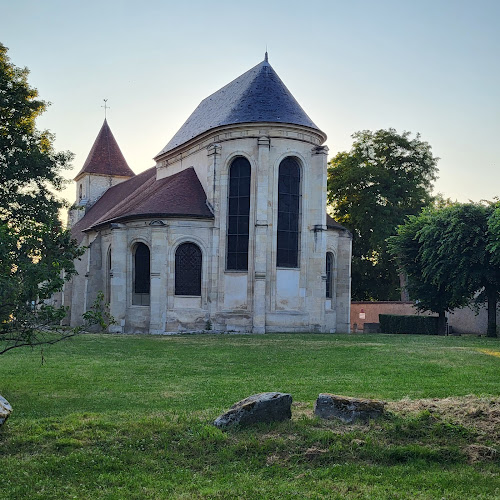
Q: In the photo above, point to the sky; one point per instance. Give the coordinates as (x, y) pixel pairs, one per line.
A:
(424, 66)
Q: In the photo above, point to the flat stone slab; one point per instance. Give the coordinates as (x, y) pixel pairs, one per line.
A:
(263, 407)
(5, 410)
(346, 409)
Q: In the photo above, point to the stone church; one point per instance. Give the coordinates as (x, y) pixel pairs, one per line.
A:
(228, 231)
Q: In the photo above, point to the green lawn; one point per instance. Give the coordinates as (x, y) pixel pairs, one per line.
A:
(112, 416)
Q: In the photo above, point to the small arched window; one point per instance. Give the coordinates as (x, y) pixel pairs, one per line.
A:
(288, 213)
(329, 275)
(142, 279)
(188, 269)
(238, 215)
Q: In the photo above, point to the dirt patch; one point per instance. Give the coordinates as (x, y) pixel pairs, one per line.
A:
(313, 452)
(480, 414)
(481, 453)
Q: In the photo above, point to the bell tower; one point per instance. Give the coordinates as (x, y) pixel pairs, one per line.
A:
(105, 166)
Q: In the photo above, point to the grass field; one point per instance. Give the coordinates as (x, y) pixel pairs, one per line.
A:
(111, 417)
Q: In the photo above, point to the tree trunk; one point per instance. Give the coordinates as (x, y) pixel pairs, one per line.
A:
(442, 323)
(403, 282)
(492, 313)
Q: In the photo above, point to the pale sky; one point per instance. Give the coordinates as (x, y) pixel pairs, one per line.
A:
(428, 66)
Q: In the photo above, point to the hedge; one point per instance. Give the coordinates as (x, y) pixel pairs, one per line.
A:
(394, 323)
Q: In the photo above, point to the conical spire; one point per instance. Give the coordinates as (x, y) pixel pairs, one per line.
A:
(105, 157)
(258, 95)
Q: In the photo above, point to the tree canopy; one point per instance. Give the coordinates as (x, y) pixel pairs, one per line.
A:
(445, 253)
(385, 177)
(36, 252)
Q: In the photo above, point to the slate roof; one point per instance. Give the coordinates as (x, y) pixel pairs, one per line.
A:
(258, 95)
(105, 157)
(180, 195)
(331, 223)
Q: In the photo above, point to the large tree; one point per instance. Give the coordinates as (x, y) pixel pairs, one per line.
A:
(372, 188)
(447, 256)
(36, 252)
(410, 250)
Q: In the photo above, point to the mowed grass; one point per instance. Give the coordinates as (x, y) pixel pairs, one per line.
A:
(112, 416)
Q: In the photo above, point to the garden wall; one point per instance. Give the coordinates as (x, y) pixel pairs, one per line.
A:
(371, 311)
(462, 320)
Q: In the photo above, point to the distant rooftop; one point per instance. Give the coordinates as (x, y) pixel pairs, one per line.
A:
(105, 157)
(258, 95)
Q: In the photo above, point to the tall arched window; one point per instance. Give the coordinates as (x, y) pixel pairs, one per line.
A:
(288, 213)
(329, 275)
(108, 277)
(142, 279)
(238, 215)
(188, 269)
(80, 192)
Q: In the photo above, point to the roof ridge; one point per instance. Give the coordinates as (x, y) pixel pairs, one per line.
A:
(180, 194)
(134, 195)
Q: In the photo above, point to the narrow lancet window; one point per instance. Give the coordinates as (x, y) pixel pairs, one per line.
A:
(238, 215)
(142, 279)
(188, 270)
(288, 213)
(108, 277)
(329, 275)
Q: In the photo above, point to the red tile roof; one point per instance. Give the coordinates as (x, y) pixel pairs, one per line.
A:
(105, 157)
(180, 195)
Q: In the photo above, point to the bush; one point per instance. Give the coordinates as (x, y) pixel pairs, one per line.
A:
(394, 323)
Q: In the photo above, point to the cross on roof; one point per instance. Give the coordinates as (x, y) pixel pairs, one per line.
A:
(106, 107)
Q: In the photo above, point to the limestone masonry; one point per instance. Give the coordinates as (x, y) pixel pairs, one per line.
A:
(228, 231)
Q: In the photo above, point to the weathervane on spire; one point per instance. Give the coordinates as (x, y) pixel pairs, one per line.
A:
(106, 107)
(265, 56)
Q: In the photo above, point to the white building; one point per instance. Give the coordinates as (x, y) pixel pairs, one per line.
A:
(228, 230)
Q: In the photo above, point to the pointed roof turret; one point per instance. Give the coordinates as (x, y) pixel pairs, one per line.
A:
(258, 95)
(105, 157)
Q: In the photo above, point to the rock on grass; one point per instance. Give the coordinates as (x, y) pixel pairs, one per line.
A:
(263, 407)
(347, 409)
(5, 410)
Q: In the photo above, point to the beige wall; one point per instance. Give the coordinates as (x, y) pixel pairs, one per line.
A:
(265, 298)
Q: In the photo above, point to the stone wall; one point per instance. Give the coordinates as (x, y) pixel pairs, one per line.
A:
(466, 320)
(263, 299)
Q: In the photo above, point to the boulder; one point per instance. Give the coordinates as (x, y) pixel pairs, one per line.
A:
(264, 407)
(347, 409)
(5, 410)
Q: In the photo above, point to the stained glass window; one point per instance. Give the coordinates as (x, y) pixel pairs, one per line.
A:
(142, 279)
(329, 275)
(108, 277)
(188, 269)
(238, 214)
(288, 213)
